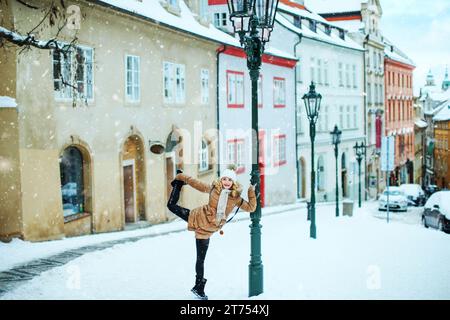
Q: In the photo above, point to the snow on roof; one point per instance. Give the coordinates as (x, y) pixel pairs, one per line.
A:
(444, 113)
(420, 123)
(7, 102)
(319, 35)
(334, 6)
(436, 109)
(394, 53)
(186, 21)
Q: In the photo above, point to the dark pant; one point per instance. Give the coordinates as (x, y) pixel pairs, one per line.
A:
(183, 213)
(202, 248)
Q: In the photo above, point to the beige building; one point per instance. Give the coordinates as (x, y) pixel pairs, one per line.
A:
(78, 160)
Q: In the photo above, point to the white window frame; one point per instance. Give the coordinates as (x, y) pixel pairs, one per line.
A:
(65, 92)
(204, 82)
(341, 74)
(279, 92)
(355, 84)
(175, 84)
(203, 163)
(135, 84)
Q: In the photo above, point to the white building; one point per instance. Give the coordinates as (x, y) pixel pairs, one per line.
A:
(334, 62)
(276, 116)
(362, 19)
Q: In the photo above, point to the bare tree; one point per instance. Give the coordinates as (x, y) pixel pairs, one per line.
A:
(54, 17)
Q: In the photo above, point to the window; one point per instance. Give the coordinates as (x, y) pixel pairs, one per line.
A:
(279, 92)
(340, 74)
(320, 174)
(327, 30)
(204, 156)
(220, 19)
(174, 83)
(319, 71)
(133, 82)
(236, 154)
(369, 93)
(325, 73)
(355, 117)
(347, 75)
(72, 181)
(204, 75)
(279, 150)
(298, 22)
(73, 73)
(313, 25)
(235, 89)
(341, 117)
(348, 125)
(260, 91)
(312, 69)
(354, 77)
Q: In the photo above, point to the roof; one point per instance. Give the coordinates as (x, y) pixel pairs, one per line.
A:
(334, 6)
(438, 108)
(320, 35)
(444, 113)
(394, 53)
(185, 22)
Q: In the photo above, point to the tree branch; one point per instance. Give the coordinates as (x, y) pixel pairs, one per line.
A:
(29, 40)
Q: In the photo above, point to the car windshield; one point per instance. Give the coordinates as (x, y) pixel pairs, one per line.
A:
(393, 193)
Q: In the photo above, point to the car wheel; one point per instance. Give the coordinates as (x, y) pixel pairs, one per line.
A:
(424, 222)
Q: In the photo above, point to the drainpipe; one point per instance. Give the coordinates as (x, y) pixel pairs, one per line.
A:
(218, 52)
(296, 117)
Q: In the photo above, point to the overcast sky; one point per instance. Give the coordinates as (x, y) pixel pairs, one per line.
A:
(421, 29)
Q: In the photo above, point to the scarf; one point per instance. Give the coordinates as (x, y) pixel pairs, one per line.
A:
(222, 205)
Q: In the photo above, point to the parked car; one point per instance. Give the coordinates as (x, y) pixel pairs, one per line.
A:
(430, 189)
(436, 213)
(397, 200)
(414, 194)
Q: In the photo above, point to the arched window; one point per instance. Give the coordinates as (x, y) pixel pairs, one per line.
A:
(320, 174)
(72, 181)
(204, 156)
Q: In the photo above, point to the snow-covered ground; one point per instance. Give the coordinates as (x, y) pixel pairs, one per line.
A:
(359, 257)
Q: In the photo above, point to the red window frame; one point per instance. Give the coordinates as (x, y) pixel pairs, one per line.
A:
(274, 104)
(240, 169)
(276, 151)
(236, 105)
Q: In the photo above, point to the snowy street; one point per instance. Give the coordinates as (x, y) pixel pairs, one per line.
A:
(359, 257)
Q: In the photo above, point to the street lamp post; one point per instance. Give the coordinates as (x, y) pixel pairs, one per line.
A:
(253, 21)
(312, 104)
(360, 153)
(336, 134)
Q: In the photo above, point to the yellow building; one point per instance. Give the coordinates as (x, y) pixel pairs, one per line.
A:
(442, 149)
(78, 160)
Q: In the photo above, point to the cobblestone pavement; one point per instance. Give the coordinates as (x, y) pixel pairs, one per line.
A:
(16, 276)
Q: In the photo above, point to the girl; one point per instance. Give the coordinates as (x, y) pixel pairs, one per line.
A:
(224, 195)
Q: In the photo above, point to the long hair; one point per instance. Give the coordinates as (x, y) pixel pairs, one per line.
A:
(235, 188)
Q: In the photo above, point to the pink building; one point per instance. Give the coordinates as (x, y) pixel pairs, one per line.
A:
(399, 115)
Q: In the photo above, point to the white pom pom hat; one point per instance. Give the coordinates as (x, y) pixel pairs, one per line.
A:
(229, 173)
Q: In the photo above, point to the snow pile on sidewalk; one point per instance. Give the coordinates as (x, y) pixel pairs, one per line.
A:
(359, 257)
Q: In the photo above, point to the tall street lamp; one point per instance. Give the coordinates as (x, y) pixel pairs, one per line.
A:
(360, 151)
(253, 21)
(312, 104)
(336, 134)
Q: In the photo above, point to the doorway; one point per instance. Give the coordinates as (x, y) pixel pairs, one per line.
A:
(129, 187)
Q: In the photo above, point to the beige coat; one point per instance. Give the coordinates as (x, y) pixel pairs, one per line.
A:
(202, 219)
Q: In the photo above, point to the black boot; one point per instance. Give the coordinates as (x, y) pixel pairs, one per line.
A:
(175, 182)
(199, 288)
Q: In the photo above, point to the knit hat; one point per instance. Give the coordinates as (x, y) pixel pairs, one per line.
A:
(229, 172)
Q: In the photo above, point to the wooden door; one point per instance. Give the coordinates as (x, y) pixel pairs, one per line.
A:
(128, 187)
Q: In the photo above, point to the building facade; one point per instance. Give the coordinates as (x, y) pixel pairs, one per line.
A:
(100, 155)
(362, 19)
(442, 149)
(399, 115)
(334, 62)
